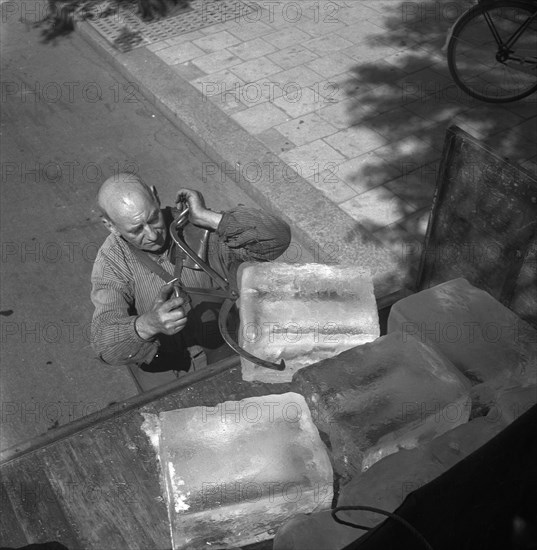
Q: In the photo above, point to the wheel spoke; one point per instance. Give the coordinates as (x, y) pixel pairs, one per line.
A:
(479, 61)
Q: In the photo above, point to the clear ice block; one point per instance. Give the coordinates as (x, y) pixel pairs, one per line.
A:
(480, 336)
(233, 473)
(377, 398)
(302, 314)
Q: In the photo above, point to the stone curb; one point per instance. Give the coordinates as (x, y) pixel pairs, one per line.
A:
(319, 225)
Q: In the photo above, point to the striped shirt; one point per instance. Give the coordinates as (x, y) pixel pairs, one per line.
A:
(123, 288)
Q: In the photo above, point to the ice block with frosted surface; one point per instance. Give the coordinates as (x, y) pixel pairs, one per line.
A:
(376, 398)
(480, 336)
(233, 473)
(302, 314)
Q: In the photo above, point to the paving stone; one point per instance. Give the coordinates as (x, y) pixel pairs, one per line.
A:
(180, 53)
(284, 15)
(366, 171)
(397, 123)
(275, 141)
(300, 77)
(427, 82)
(158, 45)
(332, 64)
(417, 187)
(334, 188)
(481, 337)
(329, 43)
(312, 158)
(228, 102)
(327, 24)
(357, 32)
(260, 117)
(255, 69)
(337, 88)
(264, 89)
(188, 71)
(356, 141)
(299, 103)
(187, 37)
(410, 61)
(340, 114)
(407, 151)
(246, 29)
(216, 61)
(292, 56)
(286, 37)
(217, 41)
(306, 128)
(374, 399)
(377, 208)
(220, 83)
(365, 52)
(252, 48)
(355, 12)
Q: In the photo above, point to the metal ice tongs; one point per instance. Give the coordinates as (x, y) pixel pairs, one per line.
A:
(230, 295)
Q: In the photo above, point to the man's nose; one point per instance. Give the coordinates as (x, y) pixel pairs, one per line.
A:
(151, 233)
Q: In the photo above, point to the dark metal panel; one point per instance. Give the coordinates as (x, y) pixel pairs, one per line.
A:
(483, 225)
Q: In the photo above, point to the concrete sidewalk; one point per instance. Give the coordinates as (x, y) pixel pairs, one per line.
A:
(330, 113)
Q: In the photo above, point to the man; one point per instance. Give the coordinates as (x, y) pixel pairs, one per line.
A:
(138, 319)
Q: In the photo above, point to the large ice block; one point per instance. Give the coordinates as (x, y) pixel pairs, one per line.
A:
(302, 314)
(235, 472)
(377, 398)
(480, 336)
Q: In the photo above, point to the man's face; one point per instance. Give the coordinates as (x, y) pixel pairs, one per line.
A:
(142, 224)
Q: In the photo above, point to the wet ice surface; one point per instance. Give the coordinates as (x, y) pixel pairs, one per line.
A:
(481, 337)
(302, 314)
(377, 398)
(234, 472)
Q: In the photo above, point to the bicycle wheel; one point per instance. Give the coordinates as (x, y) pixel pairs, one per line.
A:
(474, 57)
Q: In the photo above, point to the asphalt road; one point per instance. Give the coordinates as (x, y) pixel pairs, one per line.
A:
(68, 122)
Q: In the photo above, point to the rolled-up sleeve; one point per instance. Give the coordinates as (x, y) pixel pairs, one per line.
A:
(113, 334)
(253, 235)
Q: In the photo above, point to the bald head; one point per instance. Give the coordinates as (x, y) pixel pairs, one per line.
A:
(122, 193)
(131, 208)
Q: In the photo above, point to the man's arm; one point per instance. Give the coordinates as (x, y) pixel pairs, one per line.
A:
(119, 334)
(250, 234)
(244, 234)
(114, 337)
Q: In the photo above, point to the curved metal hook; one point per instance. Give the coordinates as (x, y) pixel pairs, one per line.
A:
(229, 302)
(222, 325)
(177, 224)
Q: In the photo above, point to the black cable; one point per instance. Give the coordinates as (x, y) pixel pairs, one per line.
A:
(396, 517)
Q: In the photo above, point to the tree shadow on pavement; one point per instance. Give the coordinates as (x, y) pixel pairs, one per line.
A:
(403, 92)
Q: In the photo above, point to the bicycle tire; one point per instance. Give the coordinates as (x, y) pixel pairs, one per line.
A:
(472, 52)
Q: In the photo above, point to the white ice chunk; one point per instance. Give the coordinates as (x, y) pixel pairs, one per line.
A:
(377, 398)
(480, 336)
(302, 314)
(236, 471)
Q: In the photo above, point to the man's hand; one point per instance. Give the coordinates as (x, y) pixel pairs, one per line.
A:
(166, 316)
(199, 214)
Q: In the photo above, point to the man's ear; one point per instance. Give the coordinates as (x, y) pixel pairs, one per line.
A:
(155, 194)
(110, 225)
